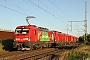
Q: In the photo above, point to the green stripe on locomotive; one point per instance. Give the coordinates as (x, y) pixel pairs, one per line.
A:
(44, 37)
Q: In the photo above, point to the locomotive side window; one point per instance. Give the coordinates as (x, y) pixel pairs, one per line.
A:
(35, 32)
(22, 31)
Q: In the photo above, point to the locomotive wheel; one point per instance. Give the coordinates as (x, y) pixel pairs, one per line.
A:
(19, 47)
(41, 47)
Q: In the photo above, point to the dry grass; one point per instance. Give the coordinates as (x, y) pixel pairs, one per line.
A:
(1, 50)
(82, 52)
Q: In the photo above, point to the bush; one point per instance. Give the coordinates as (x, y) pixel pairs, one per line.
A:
(7, 44)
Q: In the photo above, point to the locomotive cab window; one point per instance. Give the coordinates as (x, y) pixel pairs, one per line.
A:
(35, 32)
(22, 31)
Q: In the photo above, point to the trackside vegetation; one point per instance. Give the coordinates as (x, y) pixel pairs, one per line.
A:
(6, 45)
(77, 55)
(82, 53)
(81, 39)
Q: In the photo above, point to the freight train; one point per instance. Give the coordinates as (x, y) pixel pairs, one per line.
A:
(32, 37)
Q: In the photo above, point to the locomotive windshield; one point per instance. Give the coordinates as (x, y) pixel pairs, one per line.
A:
(22, 31)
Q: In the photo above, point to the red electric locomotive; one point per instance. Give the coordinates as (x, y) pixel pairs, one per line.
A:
(29, 37)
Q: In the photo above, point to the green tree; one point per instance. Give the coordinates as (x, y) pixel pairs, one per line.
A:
(88, 38)
(81, 39)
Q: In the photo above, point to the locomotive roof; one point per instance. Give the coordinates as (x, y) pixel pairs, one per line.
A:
(43, 29)
(26, 26)
(33, 25)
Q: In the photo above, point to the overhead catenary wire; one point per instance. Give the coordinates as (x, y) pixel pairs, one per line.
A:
(18, 7)
(59, 8)
(17, 11)
(51, 12)
(48, 23)
(13, 10)
(43, 9)
(5, 2)
(26, 14)
(78, 16)
(80, 28)
(23, 10)
(47, 8)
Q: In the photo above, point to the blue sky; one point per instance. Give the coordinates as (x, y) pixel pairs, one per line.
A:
(51, 14)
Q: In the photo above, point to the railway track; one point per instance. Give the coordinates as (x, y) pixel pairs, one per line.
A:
(43, 54)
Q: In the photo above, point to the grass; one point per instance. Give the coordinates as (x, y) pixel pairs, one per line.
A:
(76, 55)
(1, 49)
(89, 54)
(81, 53)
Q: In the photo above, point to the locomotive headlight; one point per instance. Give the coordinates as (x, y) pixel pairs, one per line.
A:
(16, 39)
(26, 39)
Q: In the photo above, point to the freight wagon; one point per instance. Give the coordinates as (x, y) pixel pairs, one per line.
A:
(6, 34)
